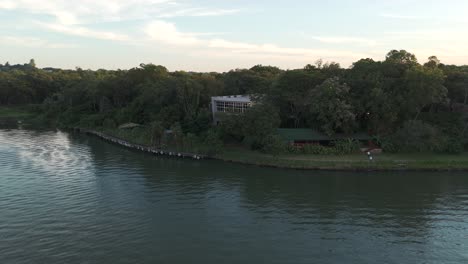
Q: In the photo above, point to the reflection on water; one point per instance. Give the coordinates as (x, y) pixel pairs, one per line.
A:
(74, 199)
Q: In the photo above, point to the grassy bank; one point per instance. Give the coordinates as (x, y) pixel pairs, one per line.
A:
(349, 162)
(430, 161)
(15, 112)
(11, 116)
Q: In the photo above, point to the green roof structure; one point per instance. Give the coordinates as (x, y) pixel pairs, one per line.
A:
(305, 134)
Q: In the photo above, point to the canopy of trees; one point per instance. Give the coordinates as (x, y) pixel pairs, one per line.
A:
(383, 98)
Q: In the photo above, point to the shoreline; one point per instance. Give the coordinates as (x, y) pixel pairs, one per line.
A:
(275, 162)
(344, 169)
(146, 149)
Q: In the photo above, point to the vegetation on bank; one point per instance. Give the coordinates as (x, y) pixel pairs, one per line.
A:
(176, 141)
(406, 106)
(16, 112)
(357, 161)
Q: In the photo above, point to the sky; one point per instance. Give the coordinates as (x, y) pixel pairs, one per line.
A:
(210, 35)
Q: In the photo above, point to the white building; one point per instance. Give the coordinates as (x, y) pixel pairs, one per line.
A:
(233, 104)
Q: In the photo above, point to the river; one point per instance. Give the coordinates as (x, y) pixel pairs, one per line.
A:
(70, 198)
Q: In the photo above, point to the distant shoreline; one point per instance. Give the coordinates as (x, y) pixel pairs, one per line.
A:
(355, 162)
(147, 149)
(359, 162)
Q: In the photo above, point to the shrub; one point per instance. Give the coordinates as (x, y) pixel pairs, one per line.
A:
(453, 146)
(109, 123)
(213, 144)
(273, 144)
(416, 136)
(346, 146)
(317, 150)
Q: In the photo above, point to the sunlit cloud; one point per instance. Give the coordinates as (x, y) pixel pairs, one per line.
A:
(398, 16)
(32, 42)
(167, 33)
(344, 40)
(84, 32)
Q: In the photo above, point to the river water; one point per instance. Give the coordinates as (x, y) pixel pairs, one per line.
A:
(68, 198)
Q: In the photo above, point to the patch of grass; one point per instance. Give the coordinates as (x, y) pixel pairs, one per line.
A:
(349, 162)
(138, 135)
(15, 112)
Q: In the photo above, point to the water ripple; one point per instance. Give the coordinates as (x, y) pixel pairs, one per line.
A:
(67, 198)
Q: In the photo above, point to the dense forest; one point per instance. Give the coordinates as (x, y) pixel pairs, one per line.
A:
(405, 105)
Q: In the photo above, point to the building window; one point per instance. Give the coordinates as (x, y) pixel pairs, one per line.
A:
(232, 107)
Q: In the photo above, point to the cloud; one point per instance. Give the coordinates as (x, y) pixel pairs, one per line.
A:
(84, 32)
(32, 42)
(167, 33)
(77, 17)
(405, 17)
(345, 40)
(7, 5)
(92, 11)
(198, 12)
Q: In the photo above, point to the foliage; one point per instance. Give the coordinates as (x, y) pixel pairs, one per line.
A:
(385, 98)
(273, 144)
(316, 149)
(157, 133)
(213, 144)
(347, 146)
(416, 136)
(329, 108)
(339, 147)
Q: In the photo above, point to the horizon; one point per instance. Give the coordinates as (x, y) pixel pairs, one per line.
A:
(208, 36)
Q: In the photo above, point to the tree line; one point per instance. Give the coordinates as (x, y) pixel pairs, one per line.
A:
(403, 104)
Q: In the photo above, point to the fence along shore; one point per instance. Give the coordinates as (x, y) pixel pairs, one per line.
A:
(151, 150)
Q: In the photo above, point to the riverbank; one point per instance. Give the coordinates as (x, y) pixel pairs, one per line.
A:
(147, 149)
(354, 162)
(9, 117)
(14, 113)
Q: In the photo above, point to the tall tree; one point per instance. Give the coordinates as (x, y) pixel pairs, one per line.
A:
(330, 108)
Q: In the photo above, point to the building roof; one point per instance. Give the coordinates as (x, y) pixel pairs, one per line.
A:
(232, 98)
(291, 134)
(305, 134)
(129, 126)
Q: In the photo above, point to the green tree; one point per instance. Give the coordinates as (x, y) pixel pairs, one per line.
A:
(213, 143)
(329, 107)
(157, 133)
(290, 95)
(401, 57)
(425, 86)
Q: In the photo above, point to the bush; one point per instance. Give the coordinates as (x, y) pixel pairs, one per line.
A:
(213, 144)
(109, 123)
(318, 150)
(454, 146)
(416, 136)
(346, 146)
(273, 144)
(91, 121)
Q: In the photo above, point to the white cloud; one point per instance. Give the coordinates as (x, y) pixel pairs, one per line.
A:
(345, 40)
(167, 33)
(405, 17)
(198, 12)
(7, 5)
(91, 11)
(75, 17)
(84, 32)
(32, 42)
